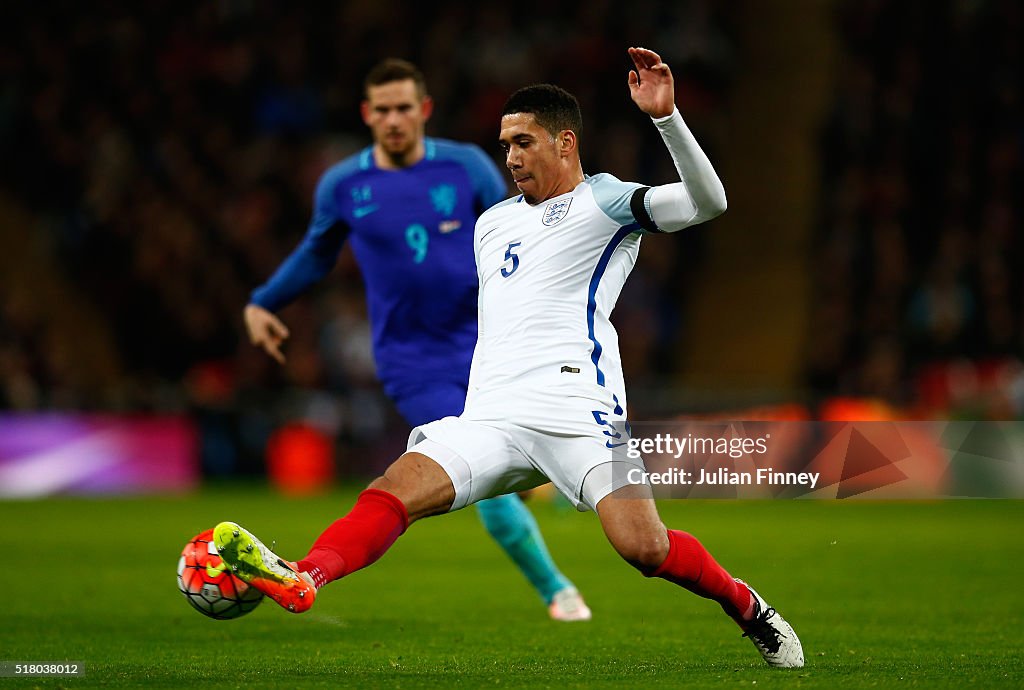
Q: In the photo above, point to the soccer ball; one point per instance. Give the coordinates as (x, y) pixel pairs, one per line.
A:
(205, 581)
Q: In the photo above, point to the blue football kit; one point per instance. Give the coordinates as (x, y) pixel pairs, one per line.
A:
(411, 231)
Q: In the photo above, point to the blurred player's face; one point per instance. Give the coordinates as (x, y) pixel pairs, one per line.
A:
(397, 115)
(542, 165)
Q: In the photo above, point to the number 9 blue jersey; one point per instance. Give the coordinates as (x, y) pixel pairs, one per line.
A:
(412, 234)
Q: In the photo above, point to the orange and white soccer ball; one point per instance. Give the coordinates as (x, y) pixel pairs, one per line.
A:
(205, 581)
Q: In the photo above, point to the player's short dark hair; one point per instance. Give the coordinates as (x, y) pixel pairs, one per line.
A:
(395, 69)
(555, 108)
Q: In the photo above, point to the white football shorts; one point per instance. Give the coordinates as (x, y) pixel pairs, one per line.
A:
(577, 443)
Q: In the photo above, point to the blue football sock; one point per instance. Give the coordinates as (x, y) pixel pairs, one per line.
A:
(515, 529)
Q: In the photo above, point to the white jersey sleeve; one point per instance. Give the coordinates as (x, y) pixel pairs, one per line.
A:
(699, 196)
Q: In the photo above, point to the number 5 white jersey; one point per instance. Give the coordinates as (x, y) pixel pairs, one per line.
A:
(549, 277)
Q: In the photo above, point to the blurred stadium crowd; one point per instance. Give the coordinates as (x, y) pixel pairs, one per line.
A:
(918, 283)
(169, 153)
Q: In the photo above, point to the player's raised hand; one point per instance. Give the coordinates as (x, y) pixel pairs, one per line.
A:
(265, 330)
(651, 84)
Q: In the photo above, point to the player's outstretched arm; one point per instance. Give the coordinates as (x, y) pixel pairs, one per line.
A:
(265, 330)
(700, 195)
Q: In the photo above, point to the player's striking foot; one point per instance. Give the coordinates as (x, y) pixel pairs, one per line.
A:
(772, 635)
(252, 562)
(567, 606)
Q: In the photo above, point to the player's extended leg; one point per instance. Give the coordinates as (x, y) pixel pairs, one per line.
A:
(506, 518)
(630, 521)
(413, 487)
(511, 524)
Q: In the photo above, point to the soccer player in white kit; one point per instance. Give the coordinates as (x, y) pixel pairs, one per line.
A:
(546, 397)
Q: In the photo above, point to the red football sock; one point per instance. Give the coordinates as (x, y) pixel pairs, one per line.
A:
(358, 539)
(689, 565)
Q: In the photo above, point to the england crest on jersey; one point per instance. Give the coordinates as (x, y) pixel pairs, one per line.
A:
(556, 211)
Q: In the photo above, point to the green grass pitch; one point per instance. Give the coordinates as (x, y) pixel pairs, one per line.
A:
(882, 594)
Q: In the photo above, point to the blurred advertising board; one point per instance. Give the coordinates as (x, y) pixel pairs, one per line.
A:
(65, 454)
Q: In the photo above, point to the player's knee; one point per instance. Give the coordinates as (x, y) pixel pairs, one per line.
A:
(419, 483)
(386, 483)
(645, 552)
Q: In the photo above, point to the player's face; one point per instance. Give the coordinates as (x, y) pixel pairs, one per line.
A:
(534, 157)
(397, 115)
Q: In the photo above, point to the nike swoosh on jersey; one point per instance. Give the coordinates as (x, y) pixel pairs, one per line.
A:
(609, 444)
(363, 211)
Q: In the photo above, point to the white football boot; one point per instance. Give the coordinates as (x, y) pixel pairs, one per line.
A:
(772, 635)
